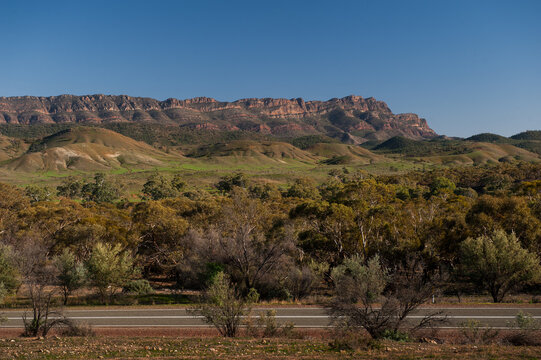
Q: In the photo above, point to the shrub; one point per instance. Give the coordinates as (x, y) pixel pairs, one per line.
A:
(473, 333)
(527, 330)
(109, 268)
(396, 335)
(498, 263)
(138, 287)
(345, 338)
(267, 326)
(76, 329)
(71, 273)
(223, 306)
(370, 296)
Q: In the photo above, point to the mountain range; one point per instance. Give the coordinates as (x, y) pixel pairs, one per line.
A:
(353, 117)
(274, 136)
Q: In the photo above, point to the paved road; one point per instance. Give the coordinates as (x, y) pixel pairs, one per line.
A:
(302, 317)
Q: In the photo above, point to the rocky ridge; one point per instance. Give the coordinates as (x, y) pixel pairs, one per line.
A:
(364, 118)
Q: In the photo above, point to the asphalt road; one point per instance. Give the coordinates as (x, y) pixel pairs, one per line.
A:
(308, 317)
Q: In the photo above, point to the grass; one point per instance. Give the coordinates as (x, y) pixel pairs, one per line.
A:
(122, 347)
(261, 159)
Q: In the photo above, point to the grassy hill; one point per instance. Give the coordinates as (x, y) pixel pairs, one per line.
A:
(481, 153)
(202, 157)
(252, 151)
(528, 135)
(487, 137)
(11, 147)
(86, 149)
(344, 154)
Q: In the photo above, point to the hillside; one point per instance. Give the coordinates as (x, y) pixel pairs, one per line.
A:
(481, 153)
(353, 116)
(11, 148)
(252, 151)
(528, 135)
(86, 149)
(336, 154)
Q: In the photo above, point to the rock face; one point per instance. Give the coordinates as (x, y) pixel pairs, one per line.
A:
(364, 118)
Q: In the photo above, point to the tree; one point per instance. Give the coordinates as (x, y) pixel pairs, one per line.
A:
(159, 187)
(42, 293)
(12, 202)
(508, 213)
(498, 263)
(223, 306)
(227, 183)
(329, 234)
(71, 273)
(109, 268)
(38, 193)
(370, 296)
(441, 185)
(249, 241)
(9, 275)
(161, 231)
(39, 278)
(70, 187)
(304, 188)
(101, 190)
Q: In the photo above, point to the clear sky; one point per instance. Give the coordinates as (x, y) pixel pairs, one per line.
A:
(466, 66)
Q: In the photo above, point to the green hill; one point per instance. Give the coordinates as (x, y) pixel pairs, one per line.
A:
(11, 147)
(86, 149)
(335, 154)
(252, 151)
(487, 137)
(528, 135)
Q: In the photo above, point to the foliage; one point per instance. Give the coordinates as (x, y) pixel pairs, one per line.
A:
(139, 287)
(109, 268)
(71, 273)
(526, 330)
(38, 193)
(101, 190)
(3, 293)
(70, 188)
(159, 187)
(441, 185)
(223, 306)
(301, 282)
(245, 227)
(9, 275)
(526, 322)
(38, 276)
(227, 183)
(266, 325)
(303, 188)
(473, 332)
(282, 240)
(160, 231)
(498, 263)
(370, 296)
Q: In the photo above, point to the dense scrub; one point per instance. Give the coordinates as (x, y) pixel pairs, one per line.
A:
(283, 242)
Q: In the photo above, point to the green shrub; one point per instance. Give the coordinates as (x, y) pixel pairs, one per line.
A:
(396, 336)
(139, 287)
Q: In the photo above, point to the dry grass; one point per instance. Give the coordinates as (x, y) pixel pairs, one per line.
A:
(203, 343)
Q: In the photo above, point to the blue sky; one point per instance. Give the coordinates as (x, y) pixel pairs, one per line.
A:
(466, 66)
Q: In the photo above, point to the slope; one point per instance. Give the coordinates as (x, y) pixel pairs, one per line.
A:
(254, 152)
(344, 154)
(86, 149)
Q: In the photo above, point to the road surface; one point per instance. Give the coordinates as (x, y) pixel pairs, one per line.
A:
(302, 317)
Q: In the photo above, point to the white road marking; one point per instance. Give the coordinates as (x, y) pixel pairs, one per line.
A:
(277, 317)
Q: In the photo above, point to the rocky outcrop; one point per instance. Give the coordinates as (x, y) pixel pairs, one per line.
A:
(267, 115)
